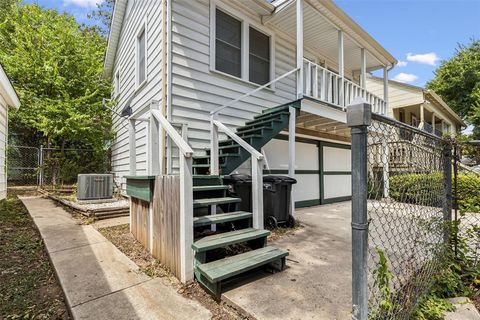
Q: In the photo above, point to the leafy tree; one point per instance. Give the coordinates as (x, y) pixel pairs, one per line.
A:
(56, 67)
(103, 15)
(457, 81)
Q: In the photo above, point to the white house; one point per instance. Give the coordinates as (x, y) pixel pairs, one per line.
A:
(8, 98)
(197, 56)
(253, 87)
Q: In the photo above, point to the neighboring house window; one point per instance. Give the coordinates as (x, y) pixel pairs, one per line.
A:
(117, 83)
(228, 44)
(259, 57)
(141, 57)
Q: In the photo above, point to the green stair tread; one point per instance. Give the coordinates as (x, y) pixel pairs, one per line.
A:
(209, 188)
(221, 218)
(228, 238)
(214, 201)
(240, 131)
(223, 155)
(231, 266)
(261, 122)
(267, 116)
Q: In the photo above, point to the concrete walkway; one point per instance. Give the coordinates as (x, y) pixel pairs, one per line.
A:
(98, 280)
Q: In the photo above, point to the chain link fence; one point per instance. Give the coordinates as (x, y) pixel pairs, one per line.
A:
(408, 203)
(29, 166)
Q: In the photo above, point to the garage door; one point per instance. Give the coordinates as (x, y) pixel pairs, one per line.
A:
(322, 169)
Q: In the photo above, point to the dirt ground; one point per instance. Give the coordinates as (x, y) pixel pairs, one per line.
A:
(28, 286)
(121, 237)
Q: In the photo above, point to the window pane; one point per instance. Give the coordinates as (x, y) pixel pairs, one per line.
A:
(141, 57)
(259, 57)
(228, 44)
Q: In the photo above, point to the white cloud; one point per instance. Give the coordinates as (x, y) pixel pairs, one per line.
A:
(426, 58)
(405, 77)
(402, 63)
(83, 3)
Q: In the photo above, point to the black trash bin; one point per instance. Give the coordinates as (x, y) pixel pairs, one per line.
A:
(276, 197)
(276, 201)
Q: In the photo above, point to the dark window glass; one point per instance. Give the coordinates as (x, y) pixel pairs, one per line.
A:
(228, 46)
(259, 57)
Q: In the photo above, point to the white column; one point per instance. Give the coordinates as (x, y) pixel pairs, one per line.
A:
(433, 123)
(363, 69)
(257, 192)
(186, 219)
(385, 89)
(214, 153)
(291, 153)
(422, 115)
(386, 169)
(341, 67)
(154, 165)
(299, 9)
(132, 147)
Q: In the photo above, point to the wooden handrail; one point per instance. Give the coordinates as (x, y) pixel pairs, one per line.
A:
(238, 140)
(185, 149)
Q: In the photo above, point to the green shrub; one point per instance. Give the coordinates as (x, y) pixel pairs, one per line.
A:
(468, 192)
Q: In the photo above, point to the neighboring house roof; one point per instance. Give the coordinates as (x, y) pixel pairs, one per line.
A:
(264, 8)
(7, 91)
(427, 93)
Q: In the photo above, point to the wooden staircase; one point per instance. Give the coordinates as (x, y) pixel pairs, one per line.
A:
(257, 132)
(235, 247)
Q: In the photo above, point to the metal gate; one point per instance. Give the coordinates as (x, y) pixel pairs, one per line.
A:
(23, 164)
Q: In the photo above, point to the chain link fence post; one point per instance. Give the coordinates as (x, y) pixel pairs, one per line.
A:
(447, 181)
(358, 119)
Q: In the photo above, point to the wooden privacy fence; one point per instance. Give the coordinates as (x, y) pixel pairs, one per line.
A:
(156, 224)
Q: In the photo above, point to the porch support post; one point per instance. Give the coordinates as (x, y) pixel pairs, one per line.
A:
(385, 89)
(422, 115)
(341, 65)
(154, 165)
(433, 122)
(132, 148)
(291, 154)
(358, 119)
(386, 169)
(299, 9)
(363, 69)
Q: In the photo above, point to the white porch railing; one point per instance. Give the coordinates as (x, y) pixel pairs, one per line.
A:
(325, 85)
(156, 124)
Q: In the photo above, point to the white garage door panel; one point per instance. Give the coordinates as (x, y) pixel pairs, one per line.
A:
(277, 155)
(336, 159)
(337, 186)
(307, 187)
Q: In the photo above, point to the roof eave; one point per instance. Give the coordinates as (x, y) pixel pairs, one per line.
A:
(114, 35)
(8, 91)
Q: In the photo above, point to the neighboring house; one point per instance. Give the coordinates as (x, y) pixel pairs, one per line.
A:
(198, 56)
(418, 107)
(8, 98)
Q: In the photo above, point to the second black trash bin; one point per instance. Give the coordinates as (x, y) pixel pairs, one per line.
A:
(276, 197)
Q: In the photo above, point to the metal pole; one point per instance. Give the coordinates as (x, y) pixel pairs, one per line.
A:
(40, 165)
(358, 119)
(456, 157)
(447, 182)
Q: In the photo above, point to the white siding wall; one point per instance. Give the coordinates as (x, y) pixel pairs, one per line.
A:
(3, 145)
(197, 90)
(137, 14)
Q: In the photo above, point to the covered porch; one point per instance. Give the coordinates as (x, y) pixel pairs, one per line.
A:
(333, 54)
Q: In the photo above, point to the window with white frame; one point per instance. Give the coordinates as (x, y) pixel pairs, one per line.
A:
(241, 50)
(141, 60)
(117, 83)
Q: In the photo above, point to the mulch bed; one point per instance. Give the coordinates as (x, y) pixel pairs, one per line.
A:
(28, 286)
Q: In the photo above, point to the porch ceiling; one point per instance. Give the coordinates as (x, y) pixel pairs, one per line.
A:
(322, 127)
(321, 37)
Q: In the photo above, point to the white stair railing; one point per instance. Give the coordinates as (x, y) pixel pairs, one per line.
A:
(157, 124)
(257, 172)
(256, 157)
(325, 85)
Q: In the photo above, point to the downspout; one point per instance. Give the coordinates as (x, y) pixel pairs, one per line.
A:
(164, 76)
(168, 79)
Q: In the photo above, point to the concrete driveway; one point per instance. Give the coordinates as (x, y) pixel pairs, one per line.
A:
(317, 281)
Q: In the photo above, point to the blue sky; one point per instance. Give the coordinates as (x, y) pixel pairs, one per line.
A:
(419, 33)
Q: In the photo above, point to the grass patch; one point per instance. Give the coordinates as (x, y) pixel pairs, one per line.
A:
(28, 286)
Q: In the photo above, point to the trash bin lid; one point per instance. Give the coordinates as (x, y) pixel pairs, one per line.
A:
(279, 179)
(238, 178)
